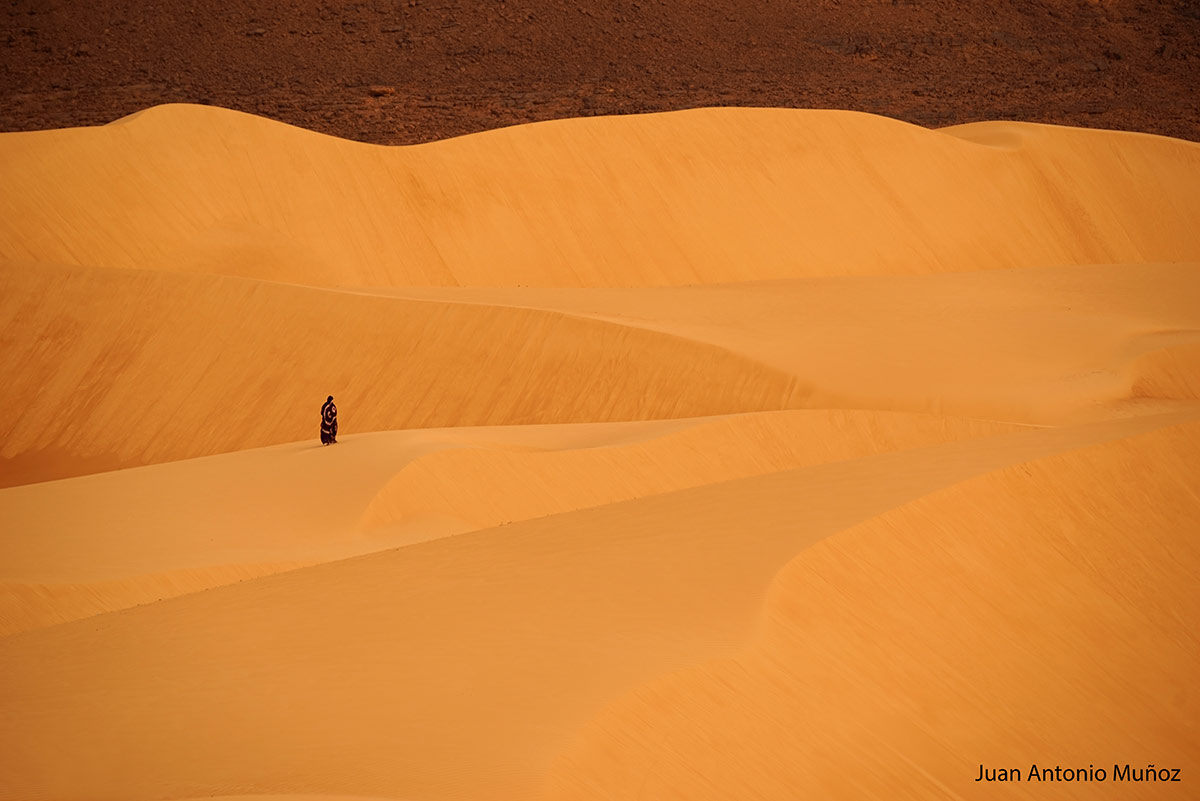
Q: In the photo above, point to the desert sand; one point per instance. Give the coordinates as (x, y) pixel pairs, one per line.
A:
(729, 453)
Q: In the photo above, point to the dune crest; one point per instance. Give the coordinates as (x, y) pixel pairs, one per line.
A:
(955, 629)
(703, 196)
(484, 487)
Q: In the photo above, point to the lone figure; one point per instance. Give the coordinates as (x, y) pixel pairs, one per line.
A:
(328, 422)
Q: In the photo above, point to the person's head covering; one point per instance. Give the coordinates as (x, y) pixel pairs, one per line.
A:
(330, 398)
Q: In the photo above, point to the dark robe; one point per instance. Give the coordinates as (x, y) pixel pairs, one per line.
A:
(328, 423)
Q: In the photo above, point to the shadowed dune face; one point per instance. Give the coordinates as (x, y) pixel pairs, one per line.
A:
(722, 454)
(1172, 371)
(156, 366)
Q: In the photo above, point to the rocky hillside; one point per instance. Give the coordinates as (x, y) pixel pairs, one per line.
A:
(400, 71)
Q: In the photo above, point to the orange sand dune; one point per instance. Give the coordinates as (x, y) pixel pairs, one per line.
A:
(730, 453)
(239, 364)
(703, 196)
(961, 628)
(144, 367)
(95, 544)
(464, 666)
(1171, 371)
(1058, 341)
(492, 485)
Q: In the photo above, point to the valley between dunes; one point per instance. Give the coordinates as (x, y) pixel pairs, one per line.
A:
(729, 453)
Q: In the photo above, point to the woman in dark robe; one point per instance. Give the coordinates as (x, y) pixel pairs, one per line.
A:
(328, 422)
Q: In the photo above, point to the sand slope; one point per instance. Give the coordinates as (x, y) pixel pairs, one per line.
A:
(144, 367)
(702, 196)
(958, 629)
(387, 669)
(120, 539)
(122, 368)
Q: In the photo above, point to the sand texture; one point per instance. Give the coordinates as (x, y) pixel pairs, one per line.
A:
(729, 453)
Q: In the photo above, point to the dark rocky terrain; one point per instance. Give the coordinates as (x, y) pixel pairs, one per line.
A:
(405, 71)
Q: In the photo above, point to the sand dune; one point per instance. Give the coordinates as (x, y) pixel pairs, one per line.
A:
(1057, 340)
(144, 367)
(706, 196)
(659, 199)
(237, 363)
(722, 454)
(959, 628)
(386, 669)
(491, 485)
(96, 544)
(1170, 371)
